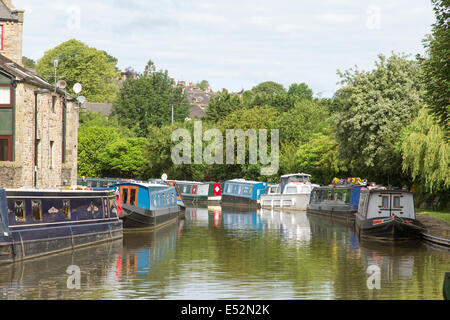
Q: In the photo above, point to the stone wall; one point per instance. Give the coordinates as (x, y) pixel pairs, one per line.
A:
(12, 38)
(51, 171)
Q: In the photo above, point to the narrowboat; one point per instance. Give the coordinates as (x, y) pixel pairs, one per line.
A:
(336, 201)
(97, 182)
(387, 215)
(199, 191)
(244, 193)
(146, 205)
(180, 201)
(292, 193)
(37, 222)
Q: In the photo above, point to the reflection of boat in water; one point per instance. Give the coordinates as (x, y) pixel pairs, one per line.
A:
(143, 251)
(198, 214)
(235, 219)
(292, 225)
(45, 278)
(396, 262)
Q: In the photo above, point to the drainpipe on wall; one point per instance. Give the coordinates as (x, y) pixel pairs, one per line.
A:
(36, 93)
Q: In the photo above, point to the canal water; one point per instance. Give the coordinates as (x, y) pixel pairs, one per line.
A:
(219, 253)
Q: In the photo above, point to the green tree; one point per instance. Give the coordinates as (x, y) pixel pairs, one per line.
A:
(28, 63)
(124, 157)
(376, 106)
(269, 87)
(301, 90)
(203, 84)
(320, 158)
(92, 142)
(92, 68)
(146, 101)
(426, 152)
(436, 65)
(303, 120)
(222, 105)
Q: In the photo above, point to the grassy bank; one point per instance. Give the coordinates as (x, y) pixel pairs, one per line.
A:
(441, 215)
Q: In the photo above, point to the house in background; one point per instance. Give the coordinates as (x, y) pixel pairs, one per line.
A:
(38, 122)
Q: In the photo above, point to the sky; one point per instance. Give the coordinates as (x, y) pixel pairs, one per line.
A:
(234, 44)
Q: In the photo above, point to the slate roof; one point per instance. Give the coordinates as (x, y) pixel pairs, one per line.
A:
(21, 74)
(5, 13)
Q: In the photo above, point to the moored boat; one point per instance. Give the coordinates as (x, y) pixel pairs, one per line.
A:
(192, 191)
(146, 205)
(244, 193)
(292, 193)
(336, 201)
(387, 215)
(37, 222)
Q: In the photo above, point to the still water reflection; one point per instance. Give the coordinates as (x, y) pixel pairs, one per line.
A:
(217, 253)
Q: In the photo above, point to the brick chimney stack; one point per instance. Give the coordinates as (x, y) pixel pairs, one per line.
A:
(11, 25)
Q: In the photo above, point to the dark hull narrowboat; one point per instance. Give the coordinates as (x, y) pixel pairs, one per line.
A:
(395, 229)
(242, 193)
(146, 206)
(387, 215)
(135, 217)
(337, 202)
(40, 222)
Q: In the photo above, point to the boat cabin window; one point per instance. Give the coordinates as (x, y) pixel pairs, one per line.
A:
(36, 209)
(385, 202)
(125, 195)
(291, 190)
(105, 207)
(66, 209)
(133, 197)
(396, 202)
(19, 211)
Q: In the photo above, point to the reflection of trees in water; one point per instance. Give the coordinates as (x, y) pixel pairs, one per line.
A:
(45, 278)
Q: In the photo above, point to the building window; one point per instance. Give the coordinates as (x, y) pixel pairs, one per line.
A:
(36, 208)
(19, 211)
(5, 148)
(5, 96)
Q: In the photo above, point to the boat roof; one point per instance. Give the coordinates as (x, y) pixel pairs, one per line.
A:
(143, 184)
(295, 175)
(62, 189)
(187, 182)
(245, 181)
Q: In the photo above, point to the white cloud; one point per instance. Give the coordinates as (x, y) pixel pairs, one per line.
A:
(233, 43)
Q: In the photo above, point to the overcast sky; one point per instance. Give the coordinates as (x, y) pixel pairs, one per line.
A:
(234, 44)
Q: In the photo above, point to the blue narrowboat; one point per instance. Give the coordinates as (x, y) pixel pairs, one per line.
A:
(335, 201)
(240, 192)
(146, 205)
(37, 222)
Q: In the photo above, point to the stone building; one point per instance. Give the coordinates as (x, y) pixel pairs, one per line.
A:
(38, 141)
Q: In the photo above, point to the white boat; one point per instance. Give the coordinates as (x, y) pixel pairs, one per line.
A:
(292, 193)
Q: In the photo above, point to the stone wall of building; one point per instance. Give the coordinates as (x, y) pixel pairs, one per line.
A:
(12, 38)
(51, 171)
